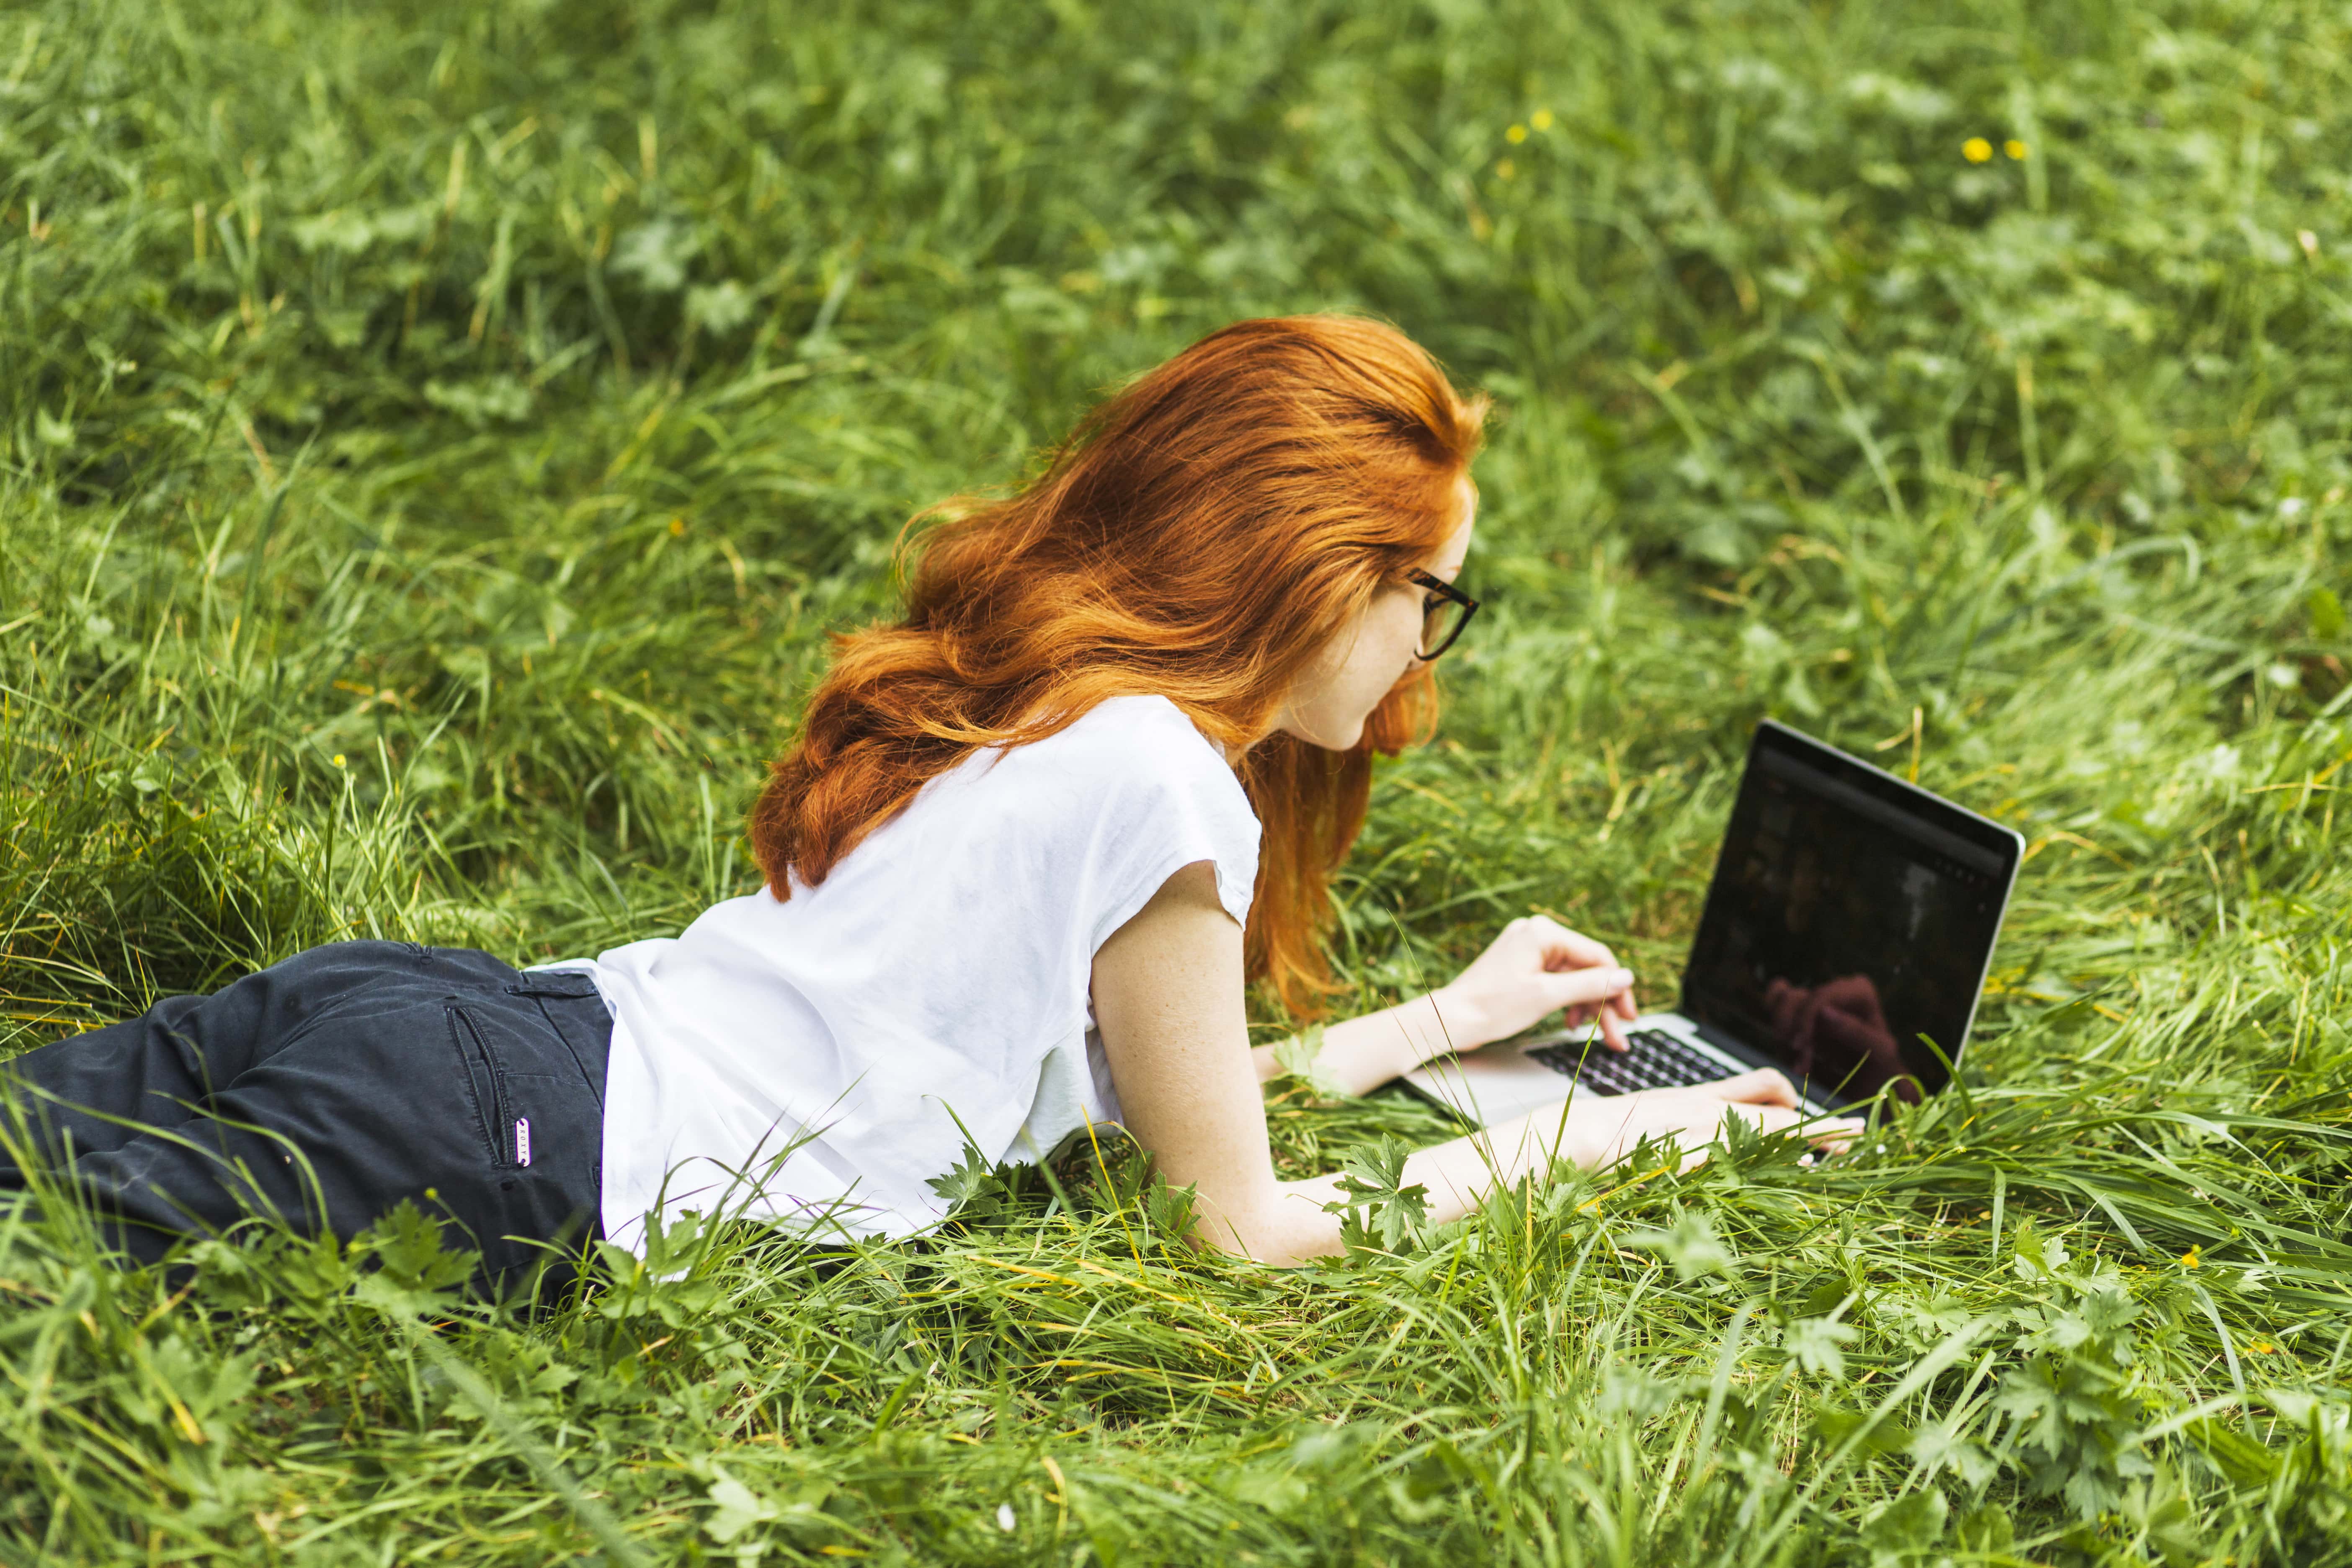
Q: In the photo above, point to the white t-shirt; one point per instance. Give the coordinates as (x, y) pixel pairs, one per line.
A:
(938, 977)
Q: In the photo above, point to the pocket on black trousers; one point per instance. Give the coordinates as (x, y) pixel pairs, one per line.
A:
(486, 1080)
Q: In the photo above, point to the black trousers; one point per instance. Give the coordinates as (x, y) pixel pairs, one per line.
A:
(325, 1089)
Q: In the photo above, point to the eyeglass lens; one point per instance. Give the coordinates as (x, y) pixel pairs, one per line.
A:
(1441, 621)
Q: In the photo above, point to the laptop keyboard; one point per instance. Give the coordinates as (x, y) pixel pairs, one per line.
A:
(1653, 1059)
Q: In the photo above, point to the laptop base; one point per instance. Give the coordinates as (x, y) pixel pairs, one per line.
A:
(1512, 1077)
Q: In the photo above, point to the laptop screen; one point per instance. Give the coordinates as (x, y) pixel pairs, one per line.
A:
(1851, 914)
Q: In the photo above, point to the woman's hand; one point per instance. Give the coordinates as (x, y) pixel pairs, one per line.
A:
(1603, 1129)
(1595, 1130)
(1535, 967)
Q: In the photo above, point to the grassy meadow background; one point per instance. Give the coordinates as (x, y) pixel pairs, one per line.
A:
(438, 436)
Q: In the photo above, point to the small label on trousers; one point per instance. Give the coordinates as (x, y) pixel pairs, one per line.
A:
(523, 1140)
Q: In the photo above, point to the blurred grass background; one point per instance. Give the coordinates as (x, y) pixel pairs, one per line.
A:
(438, 438)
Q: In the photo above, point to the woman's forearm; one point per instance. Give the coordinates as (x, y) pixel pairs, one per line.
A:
(1590, 1130)
(1462, 1171)
(1456, 1175)
(1534, 969)
(1362, 1054)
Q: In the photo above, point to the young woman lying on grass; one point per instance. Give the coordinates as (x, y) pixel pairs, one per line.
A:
(1032, 842)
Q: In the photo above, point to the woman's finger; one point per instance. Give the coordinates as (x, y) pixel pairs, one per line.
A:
(1585, 988)
(1599, 1015)
(1765, 1086)
(1566, 949)
(1764, 1117)
(1829, 1134)
(1589, 995)
(1834, 1135)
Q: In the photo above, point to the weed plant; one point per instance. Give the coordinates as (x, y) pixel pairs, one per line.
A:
(439, 437)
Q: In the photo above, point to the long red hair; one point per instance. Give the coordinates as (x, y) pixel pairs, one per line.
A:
(1200, 536)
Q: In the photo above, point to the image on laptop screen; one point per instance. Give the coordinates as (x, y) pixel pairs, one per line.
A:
(1844, 923)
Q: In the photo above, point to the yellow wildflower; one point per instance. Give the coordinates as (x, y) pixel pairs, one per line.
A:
(2261, 1347)
(1505, 169)
(2189, 1259)
(1515, 135)
(1540, 120)
(339, 759)
(2014, 147)
(1976, 149)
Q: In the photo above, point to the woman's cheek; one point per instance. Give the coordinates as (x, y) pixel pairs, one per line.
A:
(1407, 642)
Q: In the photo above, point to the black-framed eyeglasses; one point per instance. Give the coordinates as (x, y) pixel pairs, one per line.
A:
(1444, 611)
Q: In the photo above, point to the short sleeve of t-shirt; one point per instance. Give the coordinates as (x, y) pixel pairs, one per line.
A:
(934, 988)
(1169, 800)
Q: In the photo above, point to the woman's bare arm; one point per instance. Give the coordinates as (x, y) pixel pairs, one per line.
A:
(1168, 997)
(1534, 969)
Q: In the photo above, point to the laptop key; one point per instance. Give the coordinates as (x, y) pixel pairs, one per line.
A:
(1654, 1059)
(1666, 1060)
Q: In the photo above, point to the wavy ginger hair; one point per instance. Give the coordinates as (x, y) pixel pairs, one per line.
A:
(1201, 536)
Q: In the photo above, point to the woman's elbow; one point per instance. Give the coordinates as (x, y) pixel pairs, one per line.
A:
(1280, 1240)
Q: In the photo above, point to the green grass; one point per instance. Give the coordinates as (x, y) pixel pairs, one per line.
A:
(439, 437)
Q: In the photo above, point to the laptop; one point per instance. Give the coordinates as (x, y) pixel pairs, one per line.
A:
(1844, 940)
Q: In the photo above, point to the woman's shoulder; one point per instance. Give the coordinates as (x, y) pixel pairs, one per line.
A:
(1149, 720)
(1150, 793)
(1143, 748)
